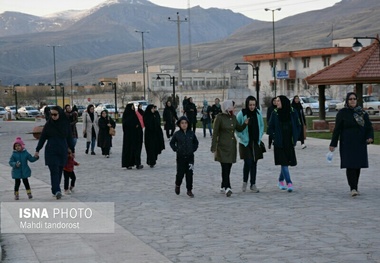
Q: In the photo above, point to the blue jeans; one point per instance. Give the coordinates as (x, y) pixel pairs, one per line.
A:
(285, 174)
(250, 167)
(55, 178)
(206, 123)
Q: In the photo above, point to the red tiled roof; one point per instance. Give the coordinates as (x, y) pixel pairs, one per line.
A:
(360, 67)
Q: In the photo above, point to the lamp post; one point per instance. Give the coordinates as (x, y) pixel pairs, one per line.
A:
(357, 46)
(55, 73)
(114, 87)
(274, 51)
(14, 92)
(172, 81)
(63, 96)
(143, 55)
(255, 68)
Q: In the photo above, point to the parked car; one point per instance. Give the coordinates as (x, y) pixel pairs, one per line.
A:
(137, 102)
(109, 107)
(2, 112)
(28, 111)
(370, 104)
(311, 105)
(12, 109)
(331, 103)
(81, 109)
(42, 110)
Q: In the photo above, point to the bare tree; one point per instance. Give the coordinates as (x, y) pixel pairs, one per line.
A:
(161, 94)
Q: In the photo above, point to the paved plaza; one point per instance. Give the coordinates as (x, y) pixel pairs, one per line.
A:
(318, 222)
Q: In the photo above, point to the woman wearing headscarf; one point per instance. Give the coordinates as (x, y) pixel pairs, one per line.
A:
(90, 128)
(206, 118)
(284, 126)
(249, 141)
(132, 138)
(269, 114)
(58, 135)
(224, 142)
(354, 131)
(104, 138)
(191, 113)
(297, 106)
(170, 117)
(153, 135)
(72, 116)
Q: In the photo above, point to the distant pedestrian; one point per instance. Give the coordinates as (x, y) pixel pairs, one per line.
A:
(215, 109)
(20, 168)
(90, 128)
(297, 106)
(191, 113)
(170, 117)
(57, 133)
(249, 141)
(184, 142)
(132, 138)
(105, 122)
(284, 126)
(206, 118)
(68, 173)
(354, 131)
(224, 142)
(269, 114)
(184, 104)
(153, 135)
(72, 116)
(47, 112)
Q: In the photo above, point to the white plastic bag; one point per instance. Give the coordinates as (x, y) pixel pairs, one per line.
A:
(329, 156)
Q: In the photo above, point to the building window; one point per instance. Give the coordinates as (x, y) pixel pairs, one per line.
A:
(290, 84)
(305, 85)
(326, 60)
(285, 66)
(306, 62)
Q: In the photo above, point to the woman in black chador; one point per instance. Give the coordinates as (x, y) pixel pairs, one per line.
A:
(170, 118)
(132, 139)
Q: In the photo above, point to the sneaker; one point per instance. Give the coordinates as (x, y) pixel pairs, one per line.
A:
(290, 187)
(254, 188)
(71, 189)
(29, 193)
(354, 192)
(86, 151)
(17, 197)
(139, 166)
(67, 192)
(58, 195)
(190, 194)
(222, 191)
(303, 146)
(228, 192)
(151, 166)
(129, 167)
(244, 187)
(281, 185)
(177, 189)
(93, 153)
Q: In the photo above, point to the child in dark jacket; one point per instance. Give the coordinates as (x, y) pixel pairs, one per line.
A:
(68, 173)
(184, 142)
(20, 169)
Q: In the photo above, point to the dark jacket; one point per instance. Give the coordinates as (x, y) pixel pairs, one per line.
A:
(352, 139)
(215, 110)
(104, 137)
(73, 120)
(191, 112)
(184, 143)
(169, 116)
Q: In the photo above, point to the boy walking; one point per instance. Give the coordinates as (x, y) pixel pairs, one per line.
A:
(184, 142)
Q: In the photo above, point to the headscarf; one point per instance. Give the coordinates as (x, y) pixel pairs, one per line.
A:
(90, 113)
(106, 111)
(295, 105)
(57, 127)
(246, 110)
(358, 111)
(228, 107)
(284, 112)
(205, 106)
(128, 111)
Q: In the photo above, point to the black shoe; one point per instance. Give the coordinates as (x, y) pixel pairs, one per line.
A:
(151, 166)
(139, 166)
(177, 189)
(87, 151)
(129, 167)
(93, 153)
(190, 194)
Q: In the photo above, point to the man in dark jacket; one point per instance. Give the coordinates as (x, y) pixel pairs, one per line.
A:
(215, 109)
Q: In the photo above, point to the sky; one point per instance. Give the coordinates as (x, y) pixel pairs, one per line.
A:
(250, 8)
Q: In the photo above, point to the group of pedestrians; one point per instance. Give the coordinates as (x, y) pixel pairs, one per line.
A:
(285, 126)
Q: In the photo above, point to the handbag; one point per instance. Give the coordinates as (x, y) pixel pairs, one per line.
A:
(112, 131)
(262, 147)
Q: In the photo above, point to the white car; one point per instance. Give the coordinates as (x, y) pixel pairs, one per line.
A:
(12, 109)
(43, 108)
(329, 100)
(28, 111)
(2, 112)
(108, 107)
(370, 103)
(137, 102)
(311, 105)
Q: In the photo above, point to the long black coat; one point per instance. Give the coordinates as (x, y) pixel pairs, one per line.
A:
(132, 138)
(153, 136)
(352, 139)
(104, 137)
(169, 116)
(191, 112)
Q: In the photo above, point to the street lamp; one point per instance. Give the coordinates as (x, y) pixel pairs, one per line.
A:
(143, 55)
(63, 96)
(357, 46)
(14, 92)
(255, 68)
(274, 51)
(55, 72)
(114, 87)
(172, 81)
